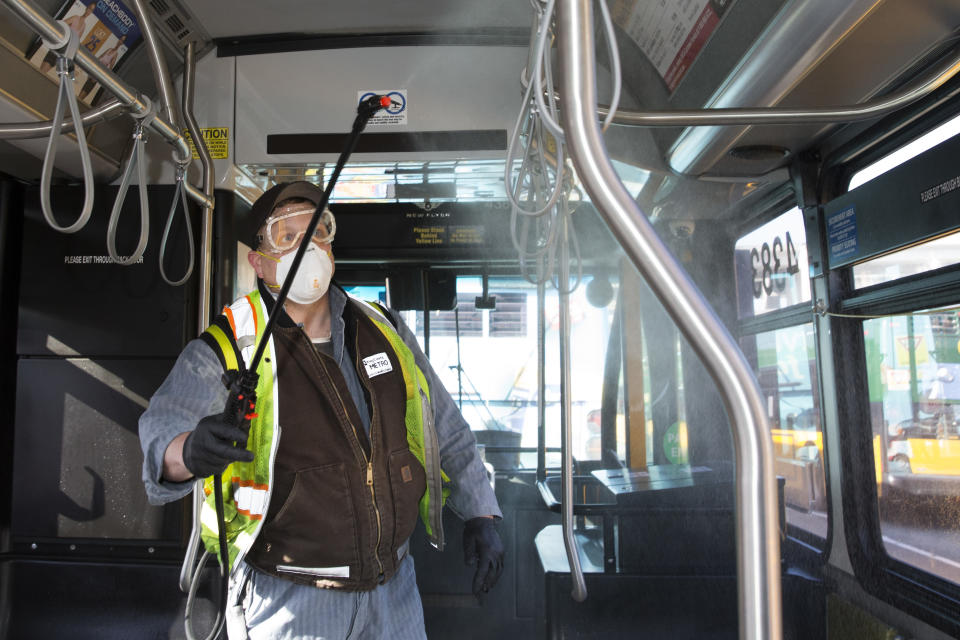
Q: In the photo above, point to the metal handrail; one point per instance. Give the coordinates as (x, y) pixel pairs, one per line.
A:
(758, 544)
(52, 31)
(541, 373)
(789, 115)
(206, 267)
(746, 116)
(42, 129)
(579, 586)
(160, 74)
(193, 543)
(206, 237)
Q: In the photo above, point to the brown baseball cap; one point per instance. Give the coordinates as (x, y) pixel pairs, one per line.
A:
(266, 203)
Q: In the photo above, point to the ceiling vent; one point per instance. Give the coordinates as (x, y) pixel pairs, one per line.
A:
(175, 23)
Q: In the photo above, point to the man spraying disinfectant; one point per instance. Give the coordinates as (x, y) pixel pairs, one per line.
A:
(334, 435)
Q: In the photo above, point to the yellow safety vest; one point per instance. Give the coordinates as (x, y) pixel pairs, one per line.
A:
(234, 336)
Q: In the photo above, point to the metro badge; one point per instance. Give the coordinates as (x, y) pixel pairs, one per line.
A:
(377, 364)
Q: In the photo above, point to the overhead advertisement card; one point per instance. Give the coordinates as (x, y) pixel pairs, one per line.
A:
(671, 34)
(107, 29)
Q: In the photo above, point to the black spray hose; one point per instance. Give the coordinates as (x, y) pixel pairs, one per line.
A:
(238, 411)
(243, 387)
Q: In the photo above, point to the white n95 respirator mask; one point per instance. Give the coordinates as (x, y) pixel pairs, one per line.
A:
(313, 276)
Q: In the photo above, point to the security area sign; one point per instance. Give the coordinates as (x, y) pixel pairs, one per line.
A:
(395, 114)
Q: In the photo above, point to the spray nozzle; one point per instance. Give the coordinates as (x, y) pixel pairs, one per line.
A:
(370, 106)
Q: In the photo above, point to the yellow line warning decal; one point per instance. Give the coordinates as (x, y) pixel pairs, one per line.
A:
(217, 139)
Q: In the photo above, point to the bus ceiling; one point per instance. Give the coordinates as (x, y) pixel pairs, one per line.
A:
(274, 88)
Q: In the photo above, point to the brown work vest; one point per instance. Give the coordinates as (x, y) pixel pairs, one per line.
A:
(342, 501)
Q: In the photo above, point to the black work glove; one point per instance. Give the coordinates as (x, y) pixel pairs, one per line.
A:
(210, 447)
(482, 547)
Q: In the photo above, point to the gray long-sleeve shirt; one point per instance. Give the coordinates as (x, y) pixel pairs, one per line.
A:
(193, 390)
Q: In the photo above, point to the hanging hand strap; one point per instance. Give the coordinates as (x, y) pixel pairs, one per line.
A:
(66, 50)
(180, 194)
(135, 159)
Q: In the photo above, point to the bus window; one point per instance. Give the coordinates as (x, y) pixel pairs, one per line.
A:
(937, 253)
(785, 363)
(773, 280)
(927, 141)
(487, 360)
(368, 293)
(913, 368)
(925, 257)
(771, 266)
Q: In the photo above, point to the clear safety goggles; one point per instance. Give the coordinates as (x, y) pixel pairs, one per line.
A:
(285, 231)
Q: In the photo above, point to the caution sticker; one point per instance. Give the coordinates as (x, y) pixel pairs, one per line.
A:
(217, 140)
(395, 114)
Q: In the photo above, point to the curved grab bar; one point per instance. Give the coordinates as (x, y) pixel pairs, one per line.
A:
(66, 50)
(161, 75)
(758, 543)
(206, 234)
(135, 158)
(178, 195)
(189, 586)
(49, 29)
(790, 115)
(201, 197)
(193, 544)
(26, 130)
(206, 264)
(727, 116)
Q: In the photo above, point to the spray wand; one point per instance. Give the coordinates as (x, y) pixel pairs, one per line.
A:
(242, 385)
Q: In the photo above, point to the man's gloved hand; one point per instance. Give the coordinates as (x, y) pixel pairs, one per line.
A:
(210, 447)
(482, 547)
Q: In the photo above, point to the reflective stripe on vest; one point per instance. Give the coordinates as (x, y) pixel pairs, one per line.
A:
(246, 485)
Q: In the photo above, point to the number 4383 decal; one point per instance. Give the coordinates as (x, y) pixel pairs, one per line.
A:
(772, 263)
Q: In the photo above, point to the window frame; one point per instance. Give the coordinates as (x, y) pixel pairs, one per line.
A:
(906, 586)
(806, 548)
(919, 593)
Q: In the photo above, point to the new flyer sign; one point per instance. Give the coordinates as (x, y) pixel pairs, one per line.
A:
(107, 29)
